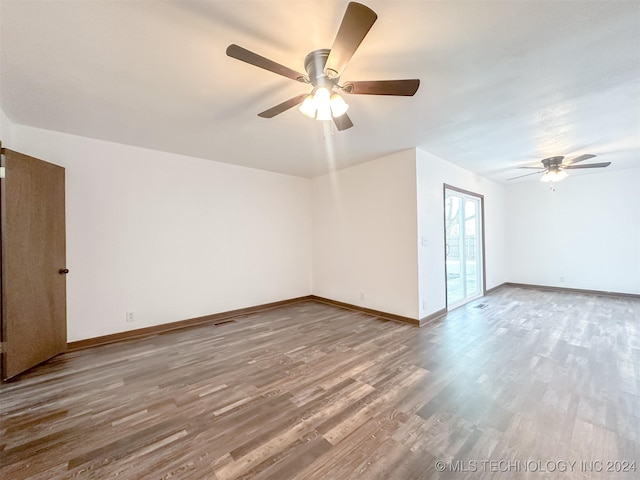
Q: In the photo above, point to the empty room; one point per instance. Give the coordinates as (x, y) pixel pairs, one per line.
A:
(312, 240)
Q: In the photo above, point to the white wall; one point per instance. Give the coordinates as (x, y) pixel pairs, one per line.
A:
(586, 232)
(364, 235)
(432, 174)
(171, 237)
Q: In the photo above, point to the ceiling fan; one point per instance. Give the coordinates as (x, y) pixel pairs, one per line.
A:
(554, 168)
(324, 68)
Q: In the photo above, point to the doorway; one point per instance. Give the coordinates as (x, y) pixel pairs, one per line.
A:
(464, 245)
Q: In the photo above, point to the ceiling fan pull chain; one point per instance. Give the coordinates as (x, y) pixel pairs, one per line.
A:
(327, 126)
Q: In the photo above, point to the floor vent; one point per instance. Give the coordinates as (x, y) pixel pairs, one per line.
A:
(481, 305)
(224, 322)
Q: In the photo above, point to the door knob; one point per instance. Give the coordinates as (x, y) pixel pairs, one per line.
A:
(63, 271)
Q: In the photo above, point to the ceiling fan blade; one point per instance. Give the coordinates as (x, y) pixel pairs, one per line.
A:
(284, 106)
(343, 122)
(405, 88)
(356, 23)
(247, 56)
(535, 168)
(590, 165)
(581, 158)
(526, 175)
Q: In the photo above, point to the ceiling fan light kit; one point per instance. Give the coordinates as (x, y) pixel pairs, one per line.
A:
(554, 176)
(324, 68)
(323, 105)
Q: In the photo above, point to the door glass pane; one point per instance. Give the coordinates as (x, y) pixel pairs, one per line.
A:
(463, 235)
(453, 224)
(471, 247)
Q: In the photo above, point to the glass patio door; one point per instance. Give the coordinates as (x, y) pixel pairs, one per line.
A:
(463, 247)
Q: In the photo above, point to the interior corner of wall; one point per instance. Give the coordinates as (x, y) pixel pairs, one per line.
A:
(6, 129)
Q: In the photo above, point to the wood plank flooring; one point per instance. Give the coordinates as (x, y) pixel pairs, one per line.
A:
(310, 391)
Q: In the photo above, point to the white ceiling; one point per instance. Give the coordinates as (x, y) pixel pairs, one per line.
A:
(504, 84)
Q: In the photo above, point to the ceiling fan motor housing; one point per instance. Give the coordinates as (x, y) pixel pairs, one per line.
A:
(314, 64)
(552, 163)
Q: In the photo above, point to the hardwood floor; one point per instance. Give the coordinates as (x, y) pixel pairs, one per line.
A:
(310, 391)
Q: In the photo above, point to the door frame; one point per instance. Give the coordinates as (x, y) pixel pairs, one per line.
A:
(2, 204)
(479, 196)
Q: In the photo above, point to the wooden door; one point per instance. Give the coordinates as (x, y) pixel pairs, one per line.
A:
(34, 325)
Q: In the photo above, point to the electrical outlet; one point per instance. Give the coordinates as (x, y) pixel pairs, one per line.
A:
(561, 279)
(424, 304)
(130, 317)
(361, 295)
